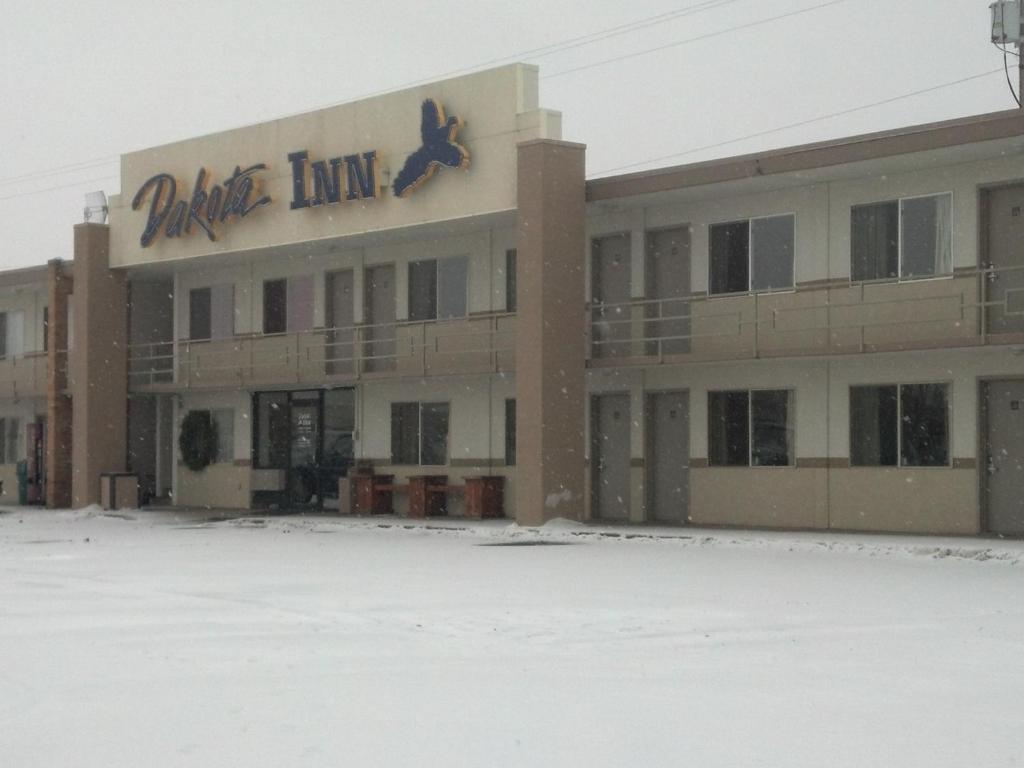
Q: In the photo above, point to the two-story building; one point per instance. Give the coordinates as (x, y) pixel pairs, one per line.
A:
(423, 285)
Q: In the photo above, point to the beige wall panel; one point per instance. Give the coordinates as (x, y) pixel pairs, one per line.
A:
(904, 500)
(489, 102)
(219, 486)
(782, 497)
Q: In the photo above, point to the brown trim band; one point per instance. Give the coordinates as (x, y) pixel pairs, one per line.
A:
(698, 463)
(965, 463)
(637, 463)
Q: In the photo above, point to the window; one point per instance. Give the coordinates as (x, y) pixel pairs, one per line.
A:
(419, 433)
(10, 442)
(46, 329)
(510, 433)
(211, 313)
(288, 304)
(438, 288)
(224, 423)
(906, 425)
(12, 334)
(906, 238)
(750, 428)
(752, 255)
(511, 299)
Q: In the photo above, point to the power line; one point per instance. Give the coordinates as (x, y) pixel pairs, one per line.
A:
(801, 122)
(82, 165)
(81, 183)
(692, 39)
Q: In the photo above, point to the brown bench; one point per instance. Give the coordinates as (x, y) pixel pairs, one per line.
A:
(428, 495)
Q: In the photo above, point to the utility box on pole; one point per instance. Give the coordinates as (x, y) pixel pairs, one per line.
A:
(1006, 22)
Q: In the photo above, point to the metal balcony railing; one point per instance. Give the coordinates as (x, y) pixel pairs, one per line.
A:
(969, 308)
(23, 375)
(478, 344)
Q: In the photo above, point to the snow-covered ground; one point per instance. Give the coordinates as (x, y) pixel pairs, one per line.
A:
(154, 640)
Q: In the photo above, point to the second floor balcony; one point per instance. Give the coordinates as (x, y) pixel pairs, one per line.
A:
(478, 344)
(23, 375)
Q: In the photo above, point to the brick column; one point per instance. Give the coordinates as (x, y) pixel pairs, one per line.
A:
(550, 343)
(58, 402)
(99, 365)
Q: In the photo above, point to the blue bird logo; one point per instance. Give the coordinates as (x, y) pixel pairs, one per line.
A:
(439, 148)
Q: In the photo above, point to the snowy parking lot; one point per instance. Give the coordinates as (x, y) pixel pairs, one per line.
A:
(151, 639)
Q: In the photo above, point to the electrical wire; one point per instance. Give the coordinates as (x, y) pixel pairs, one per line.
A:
(798, 124)
(1009, 82)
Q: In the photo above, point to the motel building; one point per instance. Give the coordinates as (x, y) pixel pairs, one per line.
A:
(416, 304)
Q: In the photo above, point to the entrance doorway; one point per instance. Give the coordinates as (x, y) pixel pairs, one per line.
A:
(307, 436)
(668, 456)
(1002, 475)
(1005, 247)
(609, 456)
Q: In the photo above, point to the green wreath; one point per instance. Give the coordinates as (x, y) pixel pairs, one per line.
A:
(197, 440)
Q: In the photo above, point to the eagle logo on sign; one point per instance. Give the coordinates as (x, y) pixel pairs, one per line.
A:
(439, 149)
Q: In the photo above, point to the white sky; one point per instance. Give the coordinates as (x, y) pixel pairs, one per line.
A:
(85, 82)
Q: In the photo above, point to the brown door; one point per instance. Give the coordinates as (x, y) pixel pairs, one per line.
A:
(610, 281)
(340, 349)
(609, 456)
(379, 349)
(667, 277)
(1005, 295)
(1003, 472)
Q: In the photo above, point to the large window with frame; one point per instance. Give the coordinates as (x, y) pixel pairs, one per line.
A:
(750, 428)
(12, 334)
(902, 239)
(903, 425)
(752, 255)
(211, 313)
(419, 434)
(10, 441)
(439, 288)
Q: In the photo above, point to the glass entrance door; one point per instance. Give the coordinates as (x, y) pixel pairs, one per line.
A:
(304, 450)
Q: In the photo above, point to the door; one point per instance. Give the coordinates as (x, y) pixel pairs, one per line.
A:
(668, 456)
(609, 456)
(379, 349)
(667, 277)
(610, 282)
(303, 479)
(340, 350)
(1003, 473)
(1005, 294)
(339, 420)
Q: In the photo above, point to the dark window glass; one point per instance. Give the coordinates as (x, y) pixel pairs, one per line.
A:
(873, 426)
(729, 429)
(3, 334)
(925, 425)
(452, 287)
(405, 433)
(730, 257)
(199, 314)
(275, 306)
(511, 299)
(272, 430)
(46, 329)
(423, 290)
(772, 438)
(874, 241)
(434, 449)
(510, 433)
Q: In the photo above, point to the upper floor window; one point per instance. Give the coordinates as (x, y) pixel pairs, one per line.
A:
(288, 304)
(752, 255)
(511, 299)
(12, 334)
(906, 238)
(211, 313)
(439, 288)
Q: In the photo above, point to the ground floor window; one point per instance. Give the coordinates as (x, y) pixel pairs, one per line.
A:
(899, 425)
(750, 428)
(510, 433)
(272, 430)
(419, 433)
(10, 444)
(224, 425)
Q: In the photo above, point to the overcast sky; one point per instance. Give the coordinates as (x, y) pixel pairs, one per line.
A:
(85, 82)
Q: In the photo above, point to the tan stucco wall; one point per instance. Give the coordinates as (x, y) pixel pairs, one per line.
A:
(769, 497)
(499, 108)
(219, 486)
(9, 481)
(904, 500)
